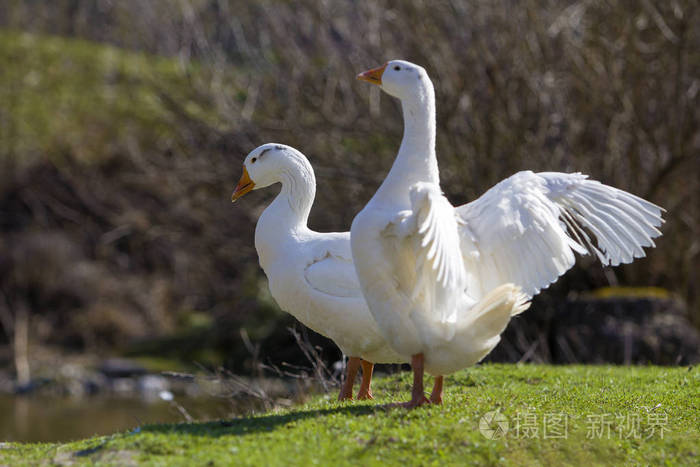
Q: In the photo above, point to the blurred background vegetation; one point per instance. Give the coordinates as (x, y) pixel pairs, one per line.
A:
(123, 125)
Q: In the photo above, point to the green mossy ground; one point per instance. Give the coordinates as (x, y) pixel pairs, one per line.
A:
(614, 416)
(70, 96)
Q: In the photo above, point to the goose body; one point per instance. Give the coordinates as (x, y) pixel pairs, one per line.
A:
(442, 282)
(311, 274)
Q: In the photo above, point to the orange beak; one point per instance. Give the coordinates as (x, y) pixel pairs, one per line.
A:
(245, 185)
(374, 75)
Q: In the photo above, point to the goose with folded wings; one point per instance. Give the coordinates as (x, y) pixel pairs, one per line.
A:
(311, 274)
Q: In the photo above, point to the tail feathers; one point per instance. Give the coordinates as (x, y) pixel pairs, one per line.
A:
(491, 314)
(479, 330)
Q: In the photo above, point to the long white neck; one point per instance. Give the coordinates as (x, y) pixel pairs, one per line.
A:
(416, 160)
(287, 216)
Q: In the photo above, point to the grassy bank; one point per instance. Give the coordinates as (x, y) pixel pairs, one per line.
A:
(555, 415)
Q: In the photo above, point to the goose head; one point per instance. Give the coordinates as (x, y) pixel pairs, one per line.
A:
(261, 168)
(398, 78)
(269, 164)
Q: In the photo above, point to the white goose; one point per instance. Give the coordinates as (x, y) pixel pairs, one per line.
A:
(311, 274)
(432, 274)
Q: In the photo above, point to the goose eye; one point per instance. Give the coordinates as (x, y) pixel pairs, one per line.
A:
(397, 68)
(252, 161)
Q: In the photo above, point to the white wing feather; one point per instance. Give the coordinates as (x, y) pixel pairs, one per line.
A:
(429, 268)
(525, 229)
(333, 276)
(439, 235)
(332, 271)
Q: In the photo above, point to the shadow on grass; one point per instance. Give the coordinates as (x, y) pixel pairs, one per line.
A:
(246, 425)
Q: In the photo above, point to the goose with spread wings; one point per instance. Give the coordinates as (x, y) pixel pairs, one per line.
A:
(442, 282)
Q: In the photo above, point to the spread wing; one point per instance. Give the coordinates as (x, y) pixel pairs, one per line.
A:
(525, 229)
(436, 228)
(423, 245)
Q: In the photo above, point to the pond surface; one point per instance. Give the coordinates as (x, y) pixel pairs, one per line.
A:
(42, 418)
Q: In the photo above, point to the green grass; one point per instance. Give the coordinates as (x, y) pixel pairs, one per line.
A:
(326, 432)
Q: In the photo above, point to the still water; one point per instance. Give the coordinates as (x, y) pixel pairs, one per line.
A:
(30, 418)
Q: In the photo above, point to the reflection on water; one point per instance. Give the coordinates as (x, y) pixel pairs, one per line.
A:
(38, 418)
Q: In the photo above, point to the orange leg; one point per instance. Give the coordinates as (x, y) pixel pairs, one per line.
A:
(365, 389)
(346, 390)
(436, 396)
(417, 395)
